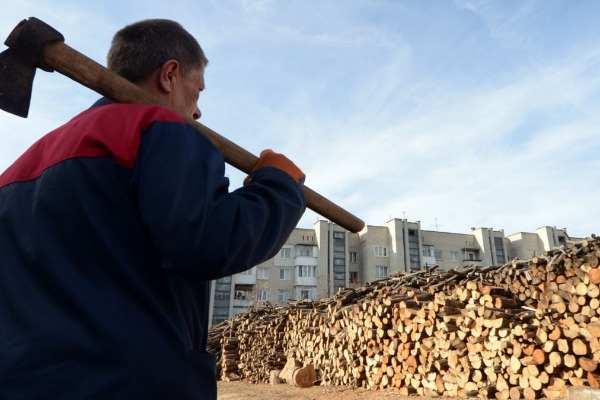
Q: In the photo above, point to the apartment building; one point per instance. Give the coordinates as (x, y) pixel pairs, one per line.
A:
(402, 246)
(315, 263)
(530, 244)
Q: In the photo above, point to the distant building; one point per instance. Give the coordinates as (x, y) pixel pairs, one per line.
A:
(315, 263)
(526, 245)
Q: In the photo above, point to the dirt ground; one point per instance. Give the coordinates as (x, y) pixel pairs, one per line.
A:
(243, 391)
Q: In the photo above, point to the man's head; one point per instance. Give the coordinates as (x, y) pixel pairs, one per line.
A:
(163, 58)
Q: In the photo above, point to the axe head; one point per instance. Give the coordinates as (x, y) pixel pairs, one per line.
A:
(16, 81)
(18, 63)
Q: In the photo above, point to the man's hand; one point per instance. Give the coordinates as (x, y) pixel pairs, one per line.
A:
(268, 158)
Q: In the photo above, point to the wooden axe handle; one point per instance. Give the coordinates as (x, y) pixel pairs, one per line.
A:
(86, 71)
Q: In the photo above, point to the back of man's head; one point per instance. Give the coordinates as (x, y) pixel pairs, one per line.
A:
(141, 48)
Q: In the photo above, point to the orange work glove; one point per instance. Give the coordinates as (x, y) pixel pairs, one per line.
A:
(268, 158)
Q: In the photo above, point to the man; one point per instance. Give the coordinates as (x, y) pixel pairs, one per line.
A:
(111, 228)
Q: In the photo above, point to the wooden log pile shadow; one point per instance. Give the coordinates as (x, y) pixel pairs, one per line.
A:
(525, 330)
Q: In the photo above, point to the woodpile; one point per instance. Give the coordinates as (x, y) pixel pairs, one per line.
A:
(524, 330)
(250, 345)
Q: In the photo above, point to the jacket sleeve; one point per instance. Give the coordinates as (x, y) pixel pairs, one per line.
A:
(201, 230)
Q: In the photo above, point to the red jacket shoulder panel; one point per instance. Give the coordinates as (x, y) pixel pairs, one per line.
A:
(111, 130)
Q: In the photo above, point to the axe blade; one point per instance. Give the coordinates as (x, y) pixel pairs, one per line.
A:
(16, 82)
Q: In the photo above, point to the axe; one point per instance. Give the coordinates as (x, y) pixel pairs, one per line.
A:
(34, 44)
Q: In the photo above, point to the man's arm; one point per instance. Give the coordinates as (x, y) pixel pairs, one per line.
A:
(200, 229)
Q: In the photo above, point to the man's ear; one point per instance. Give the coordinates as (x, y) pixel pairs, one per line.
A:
(168, 75)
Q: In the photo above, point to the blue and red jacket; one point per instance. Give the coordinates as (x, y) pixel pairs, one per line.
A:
(111, 228)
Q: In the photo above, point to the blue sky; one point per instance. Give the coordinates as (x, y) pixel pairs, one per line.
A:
(474, 113)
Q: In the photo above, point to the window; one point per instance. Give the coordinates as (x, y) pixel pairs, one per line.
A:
(471, 255)
(340, 276)
(263, 294)
(353, 276)
(454, 255)
(248, 272)
(307, 237)
(221, 295)
(283, 295)
(353, 257)
(380, 251)
(499, 245)
(339, 261)
(262, 273)
(438, 255)
(428, 251)
(241, 295)
(307, 271)
(286, 252)
(305, 293)
(382, 271)
(225, 287)
(303, 251)
(223, 292)
(284, 274)
(413, 249)
(338, 235)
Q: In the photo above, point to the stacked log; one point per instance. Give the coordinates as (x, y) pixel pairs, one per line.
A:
(230, 350)
(250, 345)
(527, 329)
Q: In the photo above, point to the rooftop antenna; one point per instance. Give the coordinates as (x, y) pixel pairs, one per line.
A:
(436, 224)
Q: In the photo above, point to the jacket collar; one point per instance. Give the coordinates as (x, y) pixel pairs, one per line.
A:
(102, 102)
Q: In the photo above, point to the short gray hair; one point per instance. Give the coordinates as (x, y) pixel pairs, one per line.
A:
(141, 48)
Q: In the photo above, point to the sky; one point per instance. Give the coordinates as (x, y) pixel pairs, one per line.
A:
(457, 114)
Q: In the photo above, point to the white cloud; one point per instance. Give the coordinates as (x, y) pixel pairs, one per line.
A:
(456, 160)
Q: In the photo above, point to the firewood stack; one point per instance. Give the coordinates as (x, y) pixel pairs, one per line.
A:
(524, 330)
(250, 345)
(230, 349)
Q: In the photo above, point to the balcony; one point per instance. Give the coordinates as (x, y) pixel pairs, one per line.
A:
(305, 280)
(283, 262)
(246, 277)
(243, 302)
(243, 298)
(306, 260)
